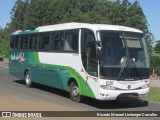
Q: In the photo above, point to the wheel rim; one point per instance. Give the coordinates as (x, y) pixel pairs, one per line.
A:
(28, 81)
(75, 91)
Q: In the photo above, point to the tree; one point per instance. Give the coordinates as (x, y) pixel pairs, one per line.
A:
(157, 46)
(3, 42)
(29, 14)
(18, 15)
(138, 20)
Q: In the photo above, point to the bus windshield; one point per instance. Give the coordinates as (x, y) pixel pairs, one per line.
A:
(124, 56)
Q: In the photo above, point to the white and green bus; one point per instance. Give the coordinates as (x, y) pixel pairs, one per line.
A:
(105, 62)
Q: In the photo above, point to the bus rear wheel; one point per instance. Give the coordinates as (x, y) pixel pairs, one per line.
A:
(74, 92)
(27, 79)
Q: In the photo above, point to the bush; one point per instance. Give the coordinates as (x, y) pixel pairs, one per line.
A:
(155, 63)
(4, 48)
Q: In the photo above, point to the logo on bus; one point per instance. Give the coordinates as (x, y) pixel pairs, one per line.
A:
(129, 87)
(19, 57)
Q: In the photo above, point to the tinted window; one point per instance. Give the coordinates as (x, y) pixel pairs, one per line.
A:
(33, 41)
(88, 52)
(24, 42)
(87, 38)
(12, 42)
(113, 48)
(16, 42)
(44, 41)
(57, 41)
(71, 41)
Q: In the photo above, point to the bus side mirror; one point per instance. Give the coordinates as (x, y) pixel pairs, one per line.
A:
(98, 50)
(99, 53)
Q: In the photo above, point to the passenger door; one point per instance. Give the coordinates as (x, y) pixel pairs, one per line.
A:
(88, 52)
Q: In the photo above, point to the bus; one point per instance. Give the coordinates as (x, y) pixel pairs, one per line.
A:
(105, 62)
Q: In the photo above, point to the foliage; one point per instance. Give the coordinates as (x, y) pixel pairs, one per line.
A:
(154, 94)
(29, 14)
(157, 46)
(155, 62)
(4, 48)
(4, 40)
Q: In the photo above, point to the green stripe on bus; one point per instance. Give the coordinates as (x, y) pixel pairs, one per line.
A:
(84, 90)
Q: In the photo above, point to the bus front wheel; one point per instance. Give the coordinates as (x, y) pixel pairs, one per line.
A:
(74, 92)
(27, 79)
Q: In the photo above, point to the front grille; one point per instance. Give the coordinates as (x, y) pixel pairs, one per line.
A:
(127, 96)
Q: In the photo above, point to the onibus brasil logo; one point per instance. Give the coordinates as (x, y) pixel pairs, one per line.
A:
(18, 56)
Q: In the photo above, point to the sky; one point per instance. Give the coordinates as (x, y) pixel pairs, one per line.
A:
(151, 9)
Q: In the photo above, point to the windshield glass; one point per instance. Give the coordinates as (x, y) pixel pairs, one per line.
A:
(123, 50)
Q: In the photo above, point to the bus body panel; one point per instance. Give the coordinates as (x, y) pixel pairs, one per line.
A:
(122, 87)
(56, 68)
(47, 73)
(56, 74)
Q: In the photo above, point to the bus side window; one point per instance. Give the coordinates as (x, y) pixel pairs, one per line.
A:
(12, 42)
(44, 41)
(17, 42)
(52, 41)
(24, 42)
(33, 42)
(57, 41)
(71, 40)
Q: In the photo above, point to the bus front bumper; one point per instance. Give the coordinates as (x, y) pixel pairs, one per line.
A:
(121, 94)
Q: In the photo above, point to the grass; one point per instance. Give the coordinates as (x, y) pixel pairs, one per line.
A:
(154, 94)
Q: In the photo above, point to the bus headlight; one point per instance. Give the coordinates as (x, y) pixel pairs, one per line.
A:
(107, 87)
(145, 86)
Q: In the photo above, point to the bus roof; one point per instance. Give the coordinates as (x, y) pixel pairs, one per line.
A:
(74, 25)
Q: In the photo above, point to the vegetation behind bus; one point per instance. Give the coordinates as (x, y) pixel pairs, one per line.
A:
(154, 94)
(29, 14)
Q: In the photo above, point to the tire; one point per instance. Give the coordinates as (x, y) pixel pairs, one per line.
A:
(74, 92)
(27, 79)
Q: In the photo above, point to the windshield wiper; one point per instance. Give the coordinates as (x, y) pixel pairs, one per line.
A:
(134, 66)
(125, 59)
(130, 63)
